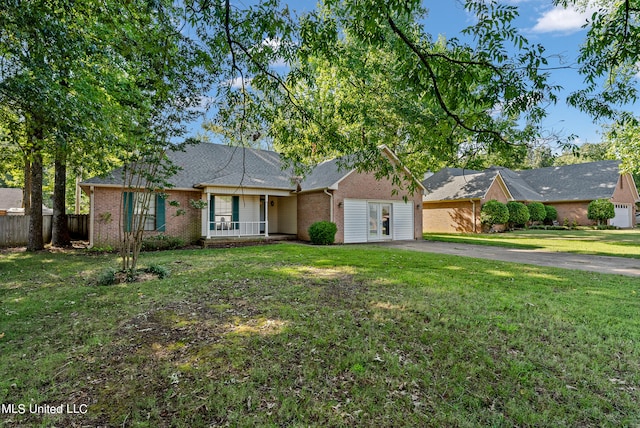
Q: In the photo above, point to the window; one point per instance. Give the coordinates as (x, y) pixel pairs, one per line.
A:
(224, 212)
(134, 208)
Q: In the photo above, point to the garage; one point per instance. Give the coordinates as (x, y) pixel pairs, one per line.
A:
(623, 216)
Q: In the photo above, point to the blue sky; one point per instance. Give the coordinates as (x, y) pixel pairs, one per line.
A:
(558, 30)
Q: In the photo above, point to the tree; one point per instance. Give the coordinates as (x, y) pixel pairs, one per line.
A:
(551, 214)
(518, 213)
(608, 61)
(81, 80)
(601, 210)
(494, 212)
(366, 73)
(537, 211)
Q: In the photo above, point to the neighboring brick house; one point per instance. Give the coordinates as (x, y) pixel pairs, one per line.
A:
(248, 192)
(455, 196)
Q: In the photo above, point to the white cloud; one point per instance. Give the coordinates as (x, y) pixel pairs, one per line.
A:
(561, 20)
(237, 82)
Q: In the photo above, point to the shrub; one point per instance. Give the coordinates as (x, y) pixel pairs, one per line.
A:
(323, 232)
(601, 210)
(551, 214)
(107, 277)
(518, 213)
(162, 242)
(159, 270)
(494, 212)
(537, 211)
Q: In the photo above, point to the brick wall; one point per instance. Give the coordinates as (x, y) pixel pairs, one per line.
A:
(450, 217)
(107, 224)
(365, 186)
(316, 206)
(572, 211)
(312, 207)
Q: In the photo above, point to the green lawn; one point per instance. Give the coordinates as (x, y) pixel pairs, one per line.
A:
(296, 335)
(621, 243)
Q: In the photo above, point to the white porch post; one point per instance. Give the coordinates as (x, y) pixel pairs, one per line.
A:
(205, 216)
(266, 215)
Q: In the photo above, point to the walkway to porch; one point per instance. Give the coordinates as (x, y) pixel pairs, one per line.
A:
(239, 241)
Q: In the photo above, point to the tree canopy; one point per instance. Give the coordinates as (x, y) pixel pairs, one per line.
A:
(81, 82)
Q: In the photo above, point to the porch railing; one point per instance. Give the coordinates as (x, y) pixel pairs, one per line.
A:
(237, 228)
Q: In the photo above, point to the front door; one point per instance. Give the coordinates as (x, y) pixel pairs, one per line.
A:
(379, 221)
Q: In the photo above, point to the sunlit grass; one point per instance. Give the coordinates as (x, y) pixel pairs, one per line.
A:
(296, 335)
(622, 243)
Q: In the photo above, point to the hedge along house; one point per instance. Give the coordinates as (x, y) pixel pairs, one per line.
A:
(455, 196)
(224, 192)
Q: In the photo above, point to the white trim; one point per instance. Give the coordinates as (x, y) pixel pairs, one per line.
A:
(237, 191)
(266, 215)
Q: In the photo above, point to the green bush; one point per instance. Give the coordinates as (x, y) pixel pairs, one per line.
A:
(518, 213)
(601, 210)
(323, 232)
(494, 212)
(107, 277)
(162, 242)
(159, 270)
(537, 211)
(551, 214)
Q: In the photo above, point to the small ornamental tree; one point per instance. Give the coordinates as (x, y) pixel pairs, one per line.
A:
(551, 214)
(537, 211)
(601, 210)
(518, 213)
(494, 212)
(323, 232)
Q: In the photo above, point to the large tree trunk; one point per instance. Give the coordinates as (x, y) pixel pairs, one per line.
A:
(60, 234)
(26, 194)
(36, 240)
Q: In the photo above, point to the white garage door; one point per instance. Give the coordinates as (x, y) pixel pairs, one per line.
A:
(623, 215)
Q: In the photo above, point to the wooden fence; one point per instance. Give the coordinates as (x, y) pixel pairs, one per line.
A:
(78, 225)
(14, 230)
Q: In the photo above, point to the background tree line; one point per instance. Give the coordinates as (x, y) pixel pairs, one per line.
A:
(87, 86)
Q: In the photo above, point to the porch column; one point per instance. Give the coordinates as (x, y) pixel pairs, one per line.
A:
(266, 215)
(205, 216)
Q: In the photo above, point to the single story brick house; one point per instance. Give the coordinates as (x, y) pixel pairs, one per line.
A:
(455, 196)
(225, 192)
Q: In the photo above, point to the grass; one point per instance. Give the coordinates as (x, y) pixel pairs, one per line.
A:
(620, 243)
(295, 335)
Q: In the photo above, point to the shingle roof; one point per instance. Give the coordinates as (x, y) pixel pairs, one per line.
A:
(207, 164)
(456, 183)
(579, 182)
(586, 181)
(325, 175)
(215, 164)
(10, 198)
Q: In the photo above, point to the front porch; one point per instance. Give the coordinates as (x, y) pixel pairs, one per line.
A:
(250, 216)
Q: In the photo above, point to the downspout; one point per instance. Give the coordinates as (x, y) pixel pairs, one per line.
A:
(330, 205)
(473, 217)
(91, 215)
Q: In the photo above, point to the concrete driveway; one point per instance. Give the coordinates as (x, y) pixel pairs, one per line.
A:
(602, 264)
